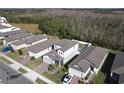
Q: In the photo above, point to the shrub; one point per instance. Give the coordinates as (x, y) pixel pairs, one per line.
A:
(32, 58)
(20, 52)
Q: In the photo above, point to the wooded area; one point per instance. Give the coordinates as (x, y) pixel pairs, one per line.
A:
(100, 28)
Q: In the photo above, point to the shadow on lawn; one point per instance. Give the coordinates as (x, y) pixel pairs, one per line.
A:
(106, 68)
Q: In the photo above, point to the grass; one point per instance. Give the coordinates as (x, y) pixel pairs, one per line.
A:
(39, 81)
(57, 77)
(100, 78)
(13, 55)
(33, 64)
(23, 71)
(5, 60)
(27, 27)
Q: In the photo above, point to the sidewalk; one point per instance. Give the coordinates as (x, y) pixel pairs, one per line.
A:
(32, 74)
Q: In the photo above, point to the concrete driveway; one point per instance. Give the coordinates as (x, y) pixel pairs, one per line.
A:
(75, 80)
(41, 68)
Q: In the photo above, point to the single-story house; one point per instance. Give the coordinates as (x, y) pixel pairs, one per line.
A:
(10, 33)
(117, 70)
(63, 51)
(9, 40)
(42, 48)
(89, 61)
(27, 42)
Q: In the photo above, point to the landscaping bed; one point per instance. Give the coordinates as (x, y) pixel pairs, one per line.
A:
(39, 81)
(23, 71)
(5, 60)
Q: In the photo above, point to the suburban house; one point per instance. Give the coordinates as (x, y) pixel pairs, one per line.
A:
(10, 33)
(89, 61)
(4, 28)
(27, 42)
(117, 70)
(42, 48)
(62, 52)
(3, 20)
(16, 37)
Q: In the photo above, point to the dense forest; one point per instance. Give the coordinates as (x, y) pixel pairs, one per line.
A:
(101, 27)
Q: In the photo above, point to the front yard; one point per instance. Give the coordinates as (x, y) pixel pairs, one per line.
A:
(56, 77)
(34, 63)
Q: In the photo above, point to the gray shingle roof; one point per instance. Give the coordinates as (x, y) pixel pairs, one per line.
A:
(91, 56)
(41, 46)
(18, 36)
(11, 33)
(3, 27)
(118, 64)
(66, 44)
(54, 56)
(30, 40)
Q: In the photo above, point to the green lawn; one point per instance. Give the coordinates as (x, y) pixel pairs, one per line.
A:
(5, 60)
(100, 78)
(57, 77)
(39, 81)
(33, 64)
(13, 55)
(23, 71)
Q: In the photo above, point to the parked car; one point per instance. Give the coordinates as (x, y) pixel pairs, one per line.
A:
(67, 79)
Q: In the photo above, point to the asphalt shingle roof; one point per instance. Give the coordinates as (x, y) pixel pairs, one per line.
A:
(91, 56)
(30, 40)
(18, 36)
(118, 64)
(41, 46)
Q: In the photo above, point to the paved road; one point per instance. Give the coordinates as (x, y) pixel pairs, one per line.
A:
(13, 76)
(32, 75)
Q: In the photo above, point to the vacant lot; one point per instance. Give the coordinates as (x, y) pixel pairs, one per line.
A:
(27, 27)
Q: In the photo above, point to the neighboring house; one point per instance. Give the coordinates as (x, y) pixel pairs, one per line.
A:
(62, 52)
(42, 48)
(27, 42)
(117, 70)
(89, 61)
(10, 33)
(4, 28)
(9, 40)
(3, 20)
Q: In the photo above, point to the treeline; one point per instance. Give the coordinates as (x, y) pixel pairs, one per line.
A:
(105, 32)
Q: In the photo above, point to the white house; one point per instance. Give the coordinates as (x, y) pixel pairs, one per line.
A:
(42, 48)
(63, 51)
(27, 42)
(13, 38)
(89, 61)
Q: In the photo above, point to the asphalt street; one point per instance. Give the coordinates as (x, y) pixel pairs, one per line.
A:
(10, 76)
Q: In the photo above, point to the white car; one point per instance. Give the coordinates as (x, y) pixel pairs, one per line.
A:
(67, 79)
